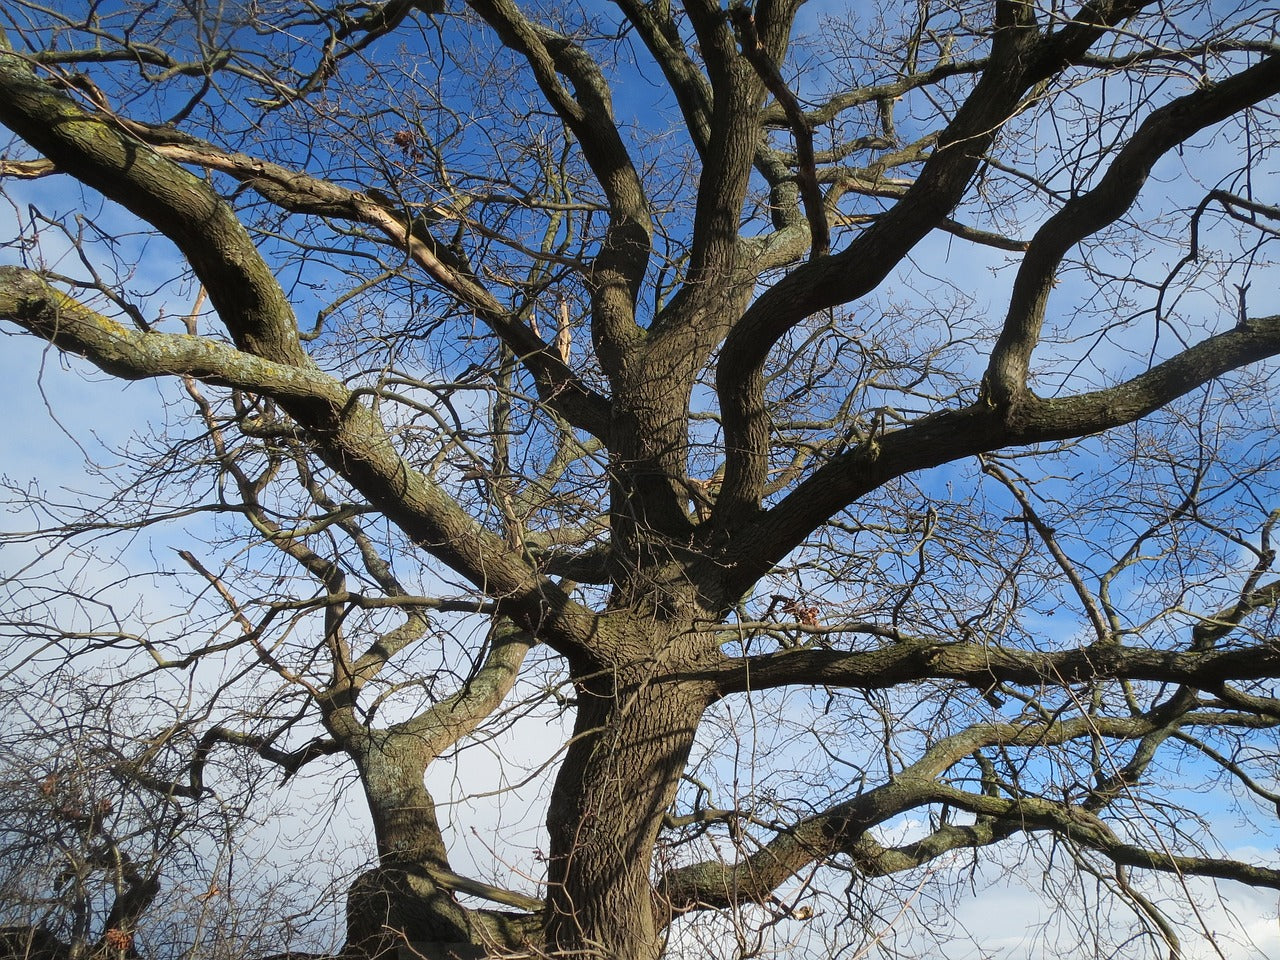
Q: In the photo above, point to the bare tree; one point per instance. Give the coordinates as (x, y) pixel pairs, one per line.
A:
(96, 858)
(639, 365)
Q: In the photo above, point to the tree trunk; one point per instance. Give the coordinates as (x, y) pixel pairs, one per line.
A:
(392, 772)
(619, 776)
(397, 904)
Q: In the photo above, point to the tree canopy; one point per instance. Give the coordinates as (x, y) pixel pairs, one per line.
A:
(823, 453)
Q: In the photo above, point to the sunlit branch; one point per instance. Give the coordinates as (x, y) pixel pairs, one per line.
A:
(753, 50)
(296, 191)
(857, 269)
(1161, 131)
(952, 435)
(981, 666)
(421, 507)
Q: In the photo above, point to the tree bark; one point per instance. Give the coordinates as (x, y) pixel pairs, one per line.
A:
(407, 902)
(631, 741)
(397, 904)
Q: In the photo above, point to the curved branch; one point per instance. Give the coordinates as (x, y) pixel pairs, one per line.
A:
(94, 150)
(662, 37)
(445, 723)
(1162, 130)
(951, 435)
(354, 442)
(1087, 830)
(756, 54)
(138, 167)
(862, 265)
(843, 828)
(292, 190)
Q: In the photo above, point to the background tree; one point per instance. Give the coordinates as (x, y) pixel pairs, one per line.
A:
(640, 364)
(93, 852)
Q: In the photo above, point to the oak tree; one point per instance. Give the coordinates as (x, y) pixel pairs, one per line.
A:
(855, 423)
